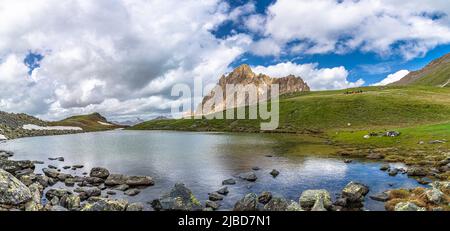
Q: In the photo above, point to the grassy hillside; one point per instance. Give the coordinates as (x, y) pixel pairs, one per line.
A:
(91, 122)
(436, 73)
(319, 112)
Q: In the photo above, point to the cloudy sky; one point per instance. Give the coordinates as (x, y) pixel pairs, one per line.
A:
(122, 57)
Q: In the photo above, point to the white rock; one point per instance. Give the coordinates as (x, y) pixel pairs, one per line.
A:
(2, 137)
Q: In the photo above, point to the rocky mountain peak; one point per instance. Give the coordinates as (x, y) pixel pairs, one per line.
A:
(244, 75)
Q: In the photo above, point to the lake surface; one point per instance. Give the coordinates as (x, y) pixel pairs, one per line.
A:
(203, 160)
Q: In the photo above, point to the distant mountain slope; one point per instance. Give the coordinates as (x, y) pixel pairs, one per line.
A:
(91, 122)
(369, 107)
(436, 73)
(14, 125)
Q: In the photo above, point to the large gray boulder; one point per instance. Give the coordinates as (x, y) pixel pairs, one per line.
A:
(99, 172)
(277, 204)
(248, 203)
(12, 191)
(355, 192)
(179, 198)
(105, 204)
(248, 176)
(309, 197)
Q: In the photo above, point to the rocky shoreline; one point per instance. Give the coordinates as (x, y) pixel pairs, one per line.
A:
(21, 189)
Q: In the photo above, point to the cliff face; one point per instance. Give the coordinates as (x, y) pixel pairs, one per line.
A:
(245, 77)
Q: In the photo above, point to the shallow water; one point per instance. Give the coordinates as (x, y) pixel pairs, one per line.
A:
(203, 160)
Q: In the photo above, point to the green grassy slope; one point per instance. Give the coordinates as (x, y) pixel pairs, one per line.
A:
(375, 108)
(87, 122)
(436, 73)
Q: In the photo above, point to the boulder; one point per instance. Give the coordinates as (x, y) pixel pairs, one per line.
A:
(274, 173)
(393, 172)
(223, 191)
(135, 207)
(211, 204)
(408, 206)
(132, 192)
(355, 192)
(248, 176)
(57, 193)
(215, 196)
(248, 203)
(434, 195)
(89, 191)
(99, 172)
(416, 171)
(294, 207)
(50, 172)
(13, 166)
(12, 191)
(276, 204)
(319, 205)
(179, 198)
(264, 197)
(105, 204)
(384, 167)
(230, 181)
(118, 179)
(309, 197)
(383, 197)
(122, 187)
(70, 201)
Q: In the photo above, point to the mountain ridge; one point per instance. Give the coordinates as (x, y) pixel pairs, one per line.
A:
(244, 76)
(436, 73)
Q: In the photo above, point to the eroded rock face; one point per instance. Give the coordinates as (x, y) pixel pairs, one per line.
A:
(12, 191)
(245, 77)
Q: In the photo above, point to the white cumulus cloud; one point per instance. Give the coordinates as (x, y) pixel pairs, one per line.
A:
(392, 78)
(317, 78)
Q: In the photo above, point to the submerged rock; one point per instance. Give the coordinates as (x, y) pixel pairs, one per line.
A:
(248, 176)
(223, 191)
(12, 191)
(118, 179)
(274, 173)
(215, 196)
(230, 181)
(383, 197)
(132, 192)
